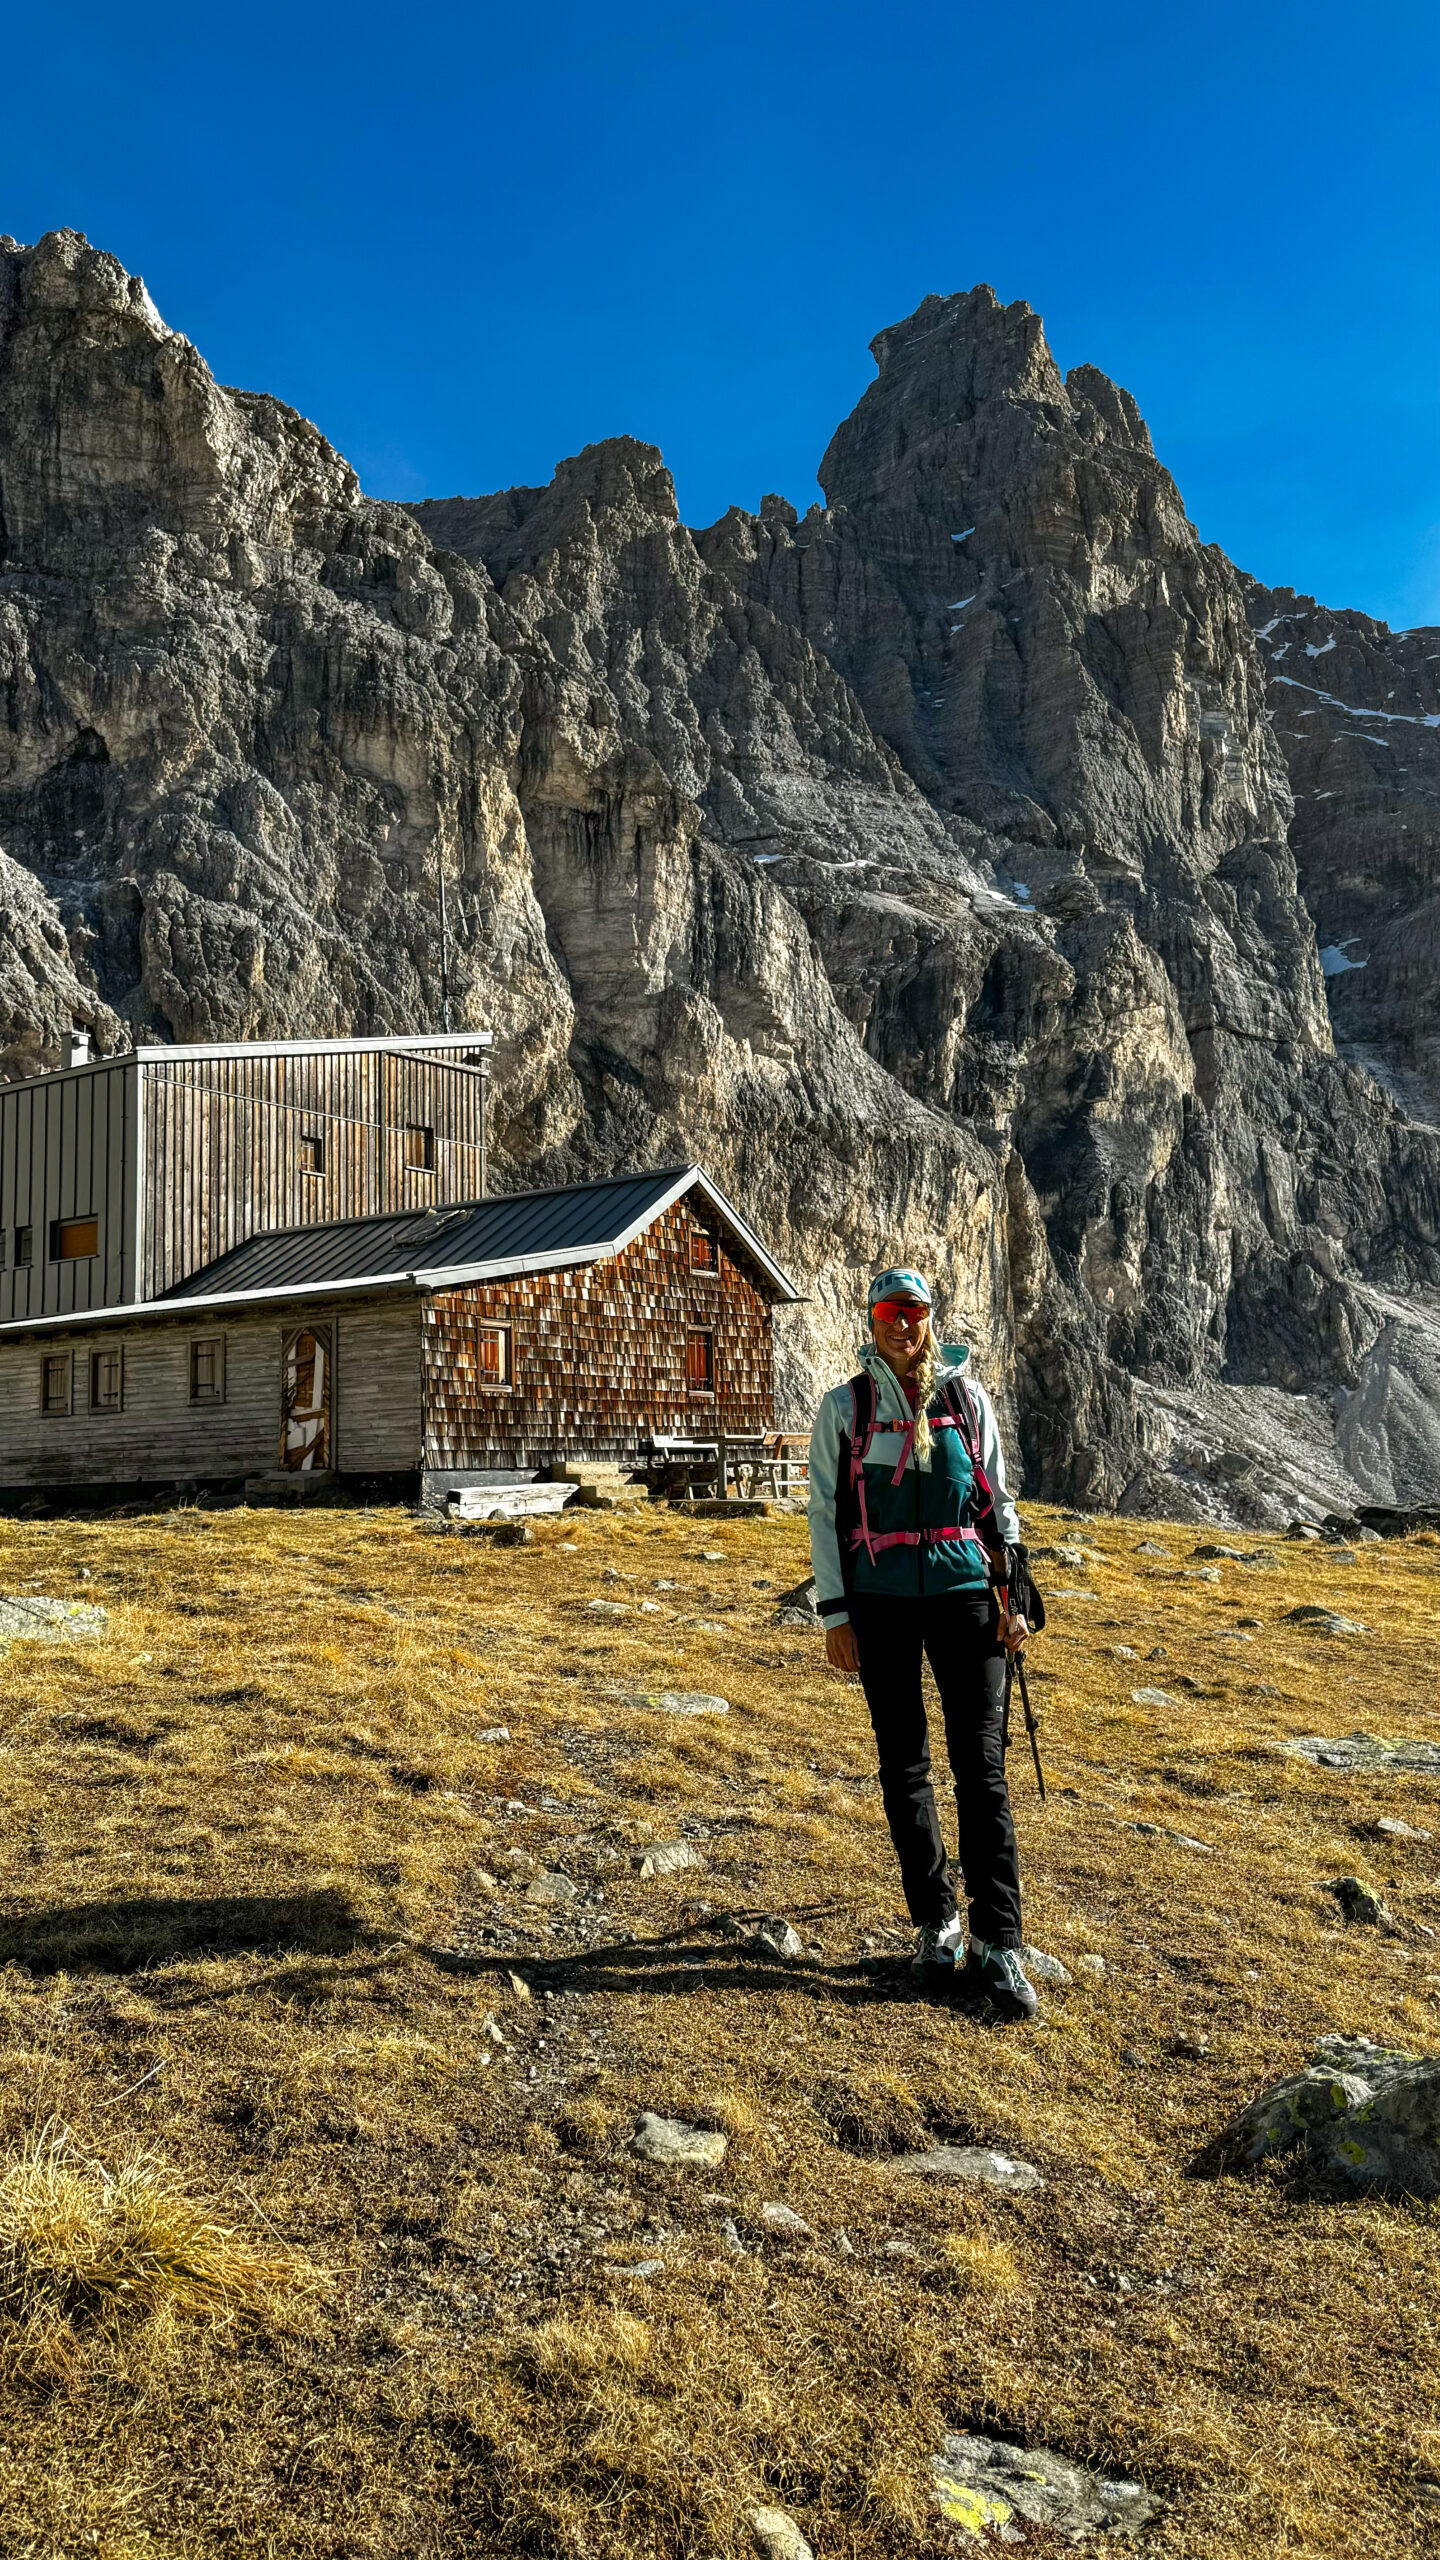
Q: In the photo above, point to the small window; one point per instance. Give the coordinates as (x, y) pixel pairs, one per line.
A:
(312, 1150)
(207, 1370)
(420, 1146)
(55, 1380)
(494, 1355)
(24, 1248)
(74, 1239)
(703, 1255)
(700, 1362)
(107, 1381)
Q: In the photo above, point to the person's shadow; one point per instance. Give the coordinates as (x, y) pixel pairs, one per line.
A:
(134, 1935)
(146, 1932)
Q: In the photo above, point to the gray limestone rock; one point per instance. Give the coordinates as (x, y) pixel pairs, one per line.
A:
(677, 1702)
(675, 2145)
(41, 1621)
(1364, 2113)
(1363, 1752)
(986, 2487)
(666, 1858)
(967, 2165)
(1044, 1968)
(785, 2222)
(776, 2535)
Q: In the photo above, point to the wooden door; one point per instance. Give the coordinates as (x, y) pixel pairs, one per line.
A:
(305, 1380)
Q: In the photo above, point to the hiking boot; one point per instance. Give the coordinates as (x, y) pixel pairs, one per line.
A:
(938, 1945)
(995, 1975)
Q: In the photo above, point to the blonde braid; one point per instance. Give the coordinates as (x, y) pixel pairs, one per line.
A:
(922, 1371)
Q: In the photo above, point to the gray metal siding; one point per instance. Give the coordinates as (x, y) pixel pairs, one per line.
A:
(67, 1150)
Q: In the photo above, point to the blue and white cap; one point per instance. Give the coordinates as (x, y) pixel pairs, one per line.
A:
(899, 1283)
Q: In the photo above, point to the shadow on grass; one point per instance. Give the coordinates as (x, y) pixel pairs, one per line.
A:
(698, 1957)
(129, 1936)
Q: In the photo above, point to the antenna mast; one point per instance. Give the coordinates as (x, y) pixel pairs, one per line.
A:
(444, 940)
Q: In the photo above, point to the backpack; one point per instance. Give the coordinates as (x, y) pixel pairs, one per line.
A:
(959, 1404)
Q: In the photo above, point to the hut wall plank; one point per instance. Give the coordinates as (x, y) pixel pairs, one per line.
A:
(377, 1388)
(223, 1157)
(159, 1435)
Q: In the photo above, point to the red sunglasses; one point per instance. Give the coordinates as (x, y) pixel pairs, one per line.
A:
(899, 1310)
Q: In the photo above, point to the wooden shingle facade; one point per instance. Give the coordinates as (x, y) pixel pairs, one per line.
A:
(290, 1268)
(654, 1344)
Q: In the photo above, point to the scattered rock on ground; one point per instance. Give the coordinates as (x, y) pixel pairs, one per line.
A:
(1363, 1751)
(984, 2486)
(1360, 1901)
(1152, 1697)
(1151, 1547)
(777, 2536)
(1365, 2113)
(1090, 1964)
(52, 1621)
(494, 1733)
(799, 1603)
(784, 2220)
(774, 1936)
(1181, 1839)
(677, 1702)
(1326, 1622)
(552, 1887)
(969, 2166)
(1236, 1555)
(666, 1857)
(1045, 1968)
(1123, 1652)
(607, 1608)
(676, 2145)
(1389, 1827)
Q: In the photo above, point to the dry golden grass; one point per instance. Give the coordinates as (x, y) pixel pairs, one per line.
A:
(268, 1920)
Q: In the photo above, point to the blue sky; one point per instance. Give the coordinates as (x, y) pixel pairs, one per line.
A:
(468, 241)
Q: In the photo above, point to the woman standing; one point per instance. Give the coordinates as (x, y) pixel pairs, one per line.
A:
(910, 1532)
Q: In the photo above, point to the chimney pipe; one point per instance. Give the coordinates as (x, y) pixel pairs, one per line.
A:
(77, 1048)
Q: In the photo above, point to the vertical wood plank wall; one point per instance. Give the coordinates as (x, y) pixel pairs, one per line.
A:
(598, 1356)
(222, 1147)
(67, 1151)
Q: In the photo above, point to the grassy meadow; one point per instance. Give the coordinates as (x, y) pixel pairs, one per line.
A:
(330, 1990)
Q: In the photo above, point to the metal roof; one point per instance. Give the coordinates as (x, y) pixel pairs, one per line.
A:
(477, 1240)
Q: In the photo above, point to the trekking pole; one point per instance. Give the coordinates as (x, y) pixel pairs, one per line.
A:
(1032, 1721)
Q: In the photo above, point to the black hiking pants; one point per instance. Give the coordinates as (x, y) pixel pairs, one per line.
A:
(958, 1635)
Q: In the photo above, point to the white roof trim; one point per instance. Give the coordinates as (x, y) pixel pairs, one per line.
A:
(179, 1308)
(162, 1053)
(407, 1040)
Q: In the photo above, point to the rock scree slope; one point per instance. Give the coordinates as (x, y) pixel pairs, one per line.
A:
(923, 864)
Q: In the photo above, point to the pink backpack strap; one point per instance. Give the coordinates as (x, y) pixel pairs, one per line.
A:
(863, 1536)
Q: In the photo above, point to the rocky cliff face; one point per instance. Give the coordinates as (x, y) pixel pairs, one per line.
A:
(921, 866)
(1356, 709)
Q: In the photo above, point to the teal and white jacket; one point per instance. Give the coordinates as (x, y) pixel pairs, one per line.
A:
(829, 1451)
